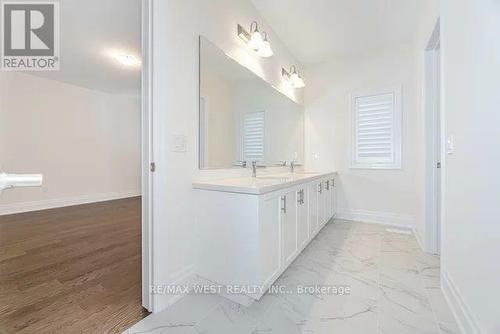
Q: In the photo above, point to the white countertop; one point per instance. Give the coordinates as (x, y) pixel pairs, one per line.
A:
(261, 184)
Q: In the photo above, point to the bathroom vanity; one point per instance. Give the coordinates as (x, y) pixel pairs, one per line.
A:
(251, 229)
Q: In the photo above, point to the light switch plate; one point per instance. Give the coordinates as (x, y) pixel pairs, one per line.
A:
(179, 143)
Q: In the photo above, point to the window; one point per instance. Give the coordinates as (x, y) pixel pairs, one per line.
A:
(376, 130)
(253, 136)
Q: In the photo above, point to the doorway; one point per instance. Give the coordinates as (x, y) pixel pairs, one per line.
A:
(434, 144)
(75, 251)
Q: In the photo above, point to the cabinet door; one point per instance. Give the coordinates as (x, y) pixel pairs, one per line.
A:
(313, 190)
(322, 204)
(302, 218)
(328, 200)
(269, 234)
(289, 226)
(332, 199)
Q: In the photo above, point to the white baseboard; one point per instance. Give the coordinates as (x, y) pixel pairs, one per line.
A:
(417, 235)
(384, 218)
(466, 320)
(12, 208)
(184, 277)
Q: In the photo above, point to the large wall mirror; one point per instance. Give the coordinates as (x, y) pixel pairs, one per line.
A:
(242, 117)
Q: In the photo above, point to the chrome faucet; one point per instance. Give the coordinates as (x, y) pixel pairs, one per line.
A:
(293, 164)
(254, 168)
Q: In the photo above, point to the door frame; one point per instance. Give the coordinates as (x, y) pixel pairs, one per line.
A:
(147, 139)
(434, 141)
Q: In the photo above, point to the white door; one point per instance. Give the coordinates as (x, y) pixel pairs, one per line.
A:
(431, 230)
(289, 226)
(302, 218)
(438, 149)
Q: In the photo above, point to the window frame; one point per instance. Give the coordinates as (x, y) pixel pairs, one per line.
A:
(396, 164)
(242, 127)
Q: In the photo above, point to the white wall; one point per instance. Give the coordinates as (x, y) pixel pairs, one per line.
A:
(85, 143)
(389, 196)
(176, 27)
(471, 229)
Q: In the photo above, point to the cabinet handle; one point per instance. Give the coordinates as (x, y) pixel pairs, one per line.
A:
(301, 201)
(328, 185)
(283, 207)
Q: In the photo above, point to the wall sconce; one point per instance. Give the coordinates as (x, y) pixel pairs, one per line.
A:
(265, 50)
(256, 40)
(293, 77)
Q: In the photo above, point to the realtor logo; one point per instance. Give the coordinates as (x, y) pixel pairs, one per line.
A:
(30, 36)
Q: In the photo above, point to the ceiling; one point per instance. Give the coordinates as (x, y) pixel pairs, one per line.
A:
(313, 30)
(91, 31)
(319, 30)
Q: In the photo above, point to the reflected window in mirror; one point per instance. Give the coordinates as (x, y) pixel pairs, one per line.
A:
(254, 128)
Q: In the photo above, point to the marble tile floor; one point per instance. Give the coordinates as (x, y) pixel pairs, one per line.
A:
(394, 289)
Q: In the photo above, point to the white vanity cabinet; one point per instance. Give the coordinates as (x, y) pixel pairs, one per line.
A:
(328, 200)
(331, 197)
(302, 217)
(289, 230)
(322, 203)
(250, 231)
(313, 190)
(322, 214)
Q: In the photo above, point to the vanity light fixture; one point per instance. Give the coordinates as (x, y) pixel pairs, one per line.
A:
(293, 76)
(256, 40)
(265, 50)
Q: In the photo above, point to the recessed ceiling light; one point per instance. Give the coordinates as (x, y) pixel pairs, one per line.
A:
(127, 60)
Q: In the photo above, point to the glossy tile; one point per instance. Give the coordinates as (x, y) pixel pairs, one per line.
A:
(393, 289)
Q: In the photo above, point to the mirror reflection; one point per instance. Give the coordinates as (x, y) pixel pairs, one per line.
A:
(242, 117)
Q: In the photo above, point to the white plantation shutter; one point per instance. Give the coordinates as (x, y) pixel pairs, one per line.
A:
(377, 130)
(253, 136)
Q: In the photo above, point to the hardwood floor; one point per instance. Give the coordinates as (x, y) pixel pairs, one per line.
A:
(71, 270)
